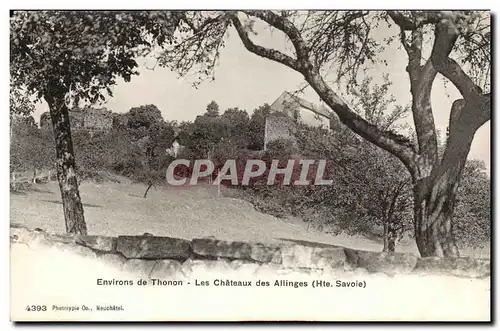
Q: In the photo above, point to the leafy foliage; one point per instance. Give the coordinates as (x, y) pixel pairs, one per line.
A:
(256, 127)
(30, 147)
(473, 206)
(19, 104)
(375, 104)
(201, 35)
(82, 52)
(473, 49)
(143, 117)
(212, 109)
(282, 149)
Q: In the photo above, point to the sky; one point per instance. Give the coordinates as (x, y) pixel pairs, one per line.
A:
(247, 81)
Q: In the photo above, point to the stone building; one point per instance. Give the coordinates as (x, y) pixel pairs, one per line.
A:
(278, 127)
(90, 119)
(288, 110)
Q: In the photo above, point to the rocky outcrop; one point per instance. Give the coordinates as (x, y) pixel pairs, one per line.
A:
(152, 256)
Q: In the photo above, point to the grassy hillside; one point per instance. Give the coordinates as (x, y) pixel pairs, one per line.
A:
(187, 212)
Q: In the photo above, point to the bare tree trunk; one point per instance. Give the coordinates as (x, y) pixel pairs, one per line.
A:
(65, 164)
(389, 236)
(386, 236)
(433, 224)
(434, 196)
(147, 190)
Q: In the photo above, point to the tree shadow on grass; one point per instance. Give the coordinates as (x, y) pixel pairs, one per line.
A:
(41, 191)
(18, 192)
(85, 204)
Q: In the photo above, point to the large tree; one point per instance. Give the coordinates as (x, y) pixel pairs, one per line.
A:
(144, 117)
(68, 57)
(459, 48)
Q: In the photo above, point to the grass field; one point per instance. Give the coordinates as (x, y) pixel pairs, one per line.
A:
(187, 212)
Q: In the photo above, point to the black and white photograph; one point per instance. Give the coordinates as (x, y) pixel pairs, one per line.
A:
(250, 165)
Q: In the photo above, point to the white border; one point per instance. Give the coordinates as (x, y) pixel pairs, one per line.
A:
(183, 4)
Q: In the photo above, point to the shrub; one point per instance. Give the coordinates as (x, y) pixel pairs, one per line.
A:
(281, 149)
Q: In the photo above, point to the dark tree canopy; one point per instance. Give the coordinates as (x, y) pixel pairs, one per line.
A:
(81, 52)
(212, 109)
(144, 117)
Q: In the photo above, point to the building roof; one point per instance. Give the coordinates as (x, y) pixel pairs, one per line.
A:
(287, 97)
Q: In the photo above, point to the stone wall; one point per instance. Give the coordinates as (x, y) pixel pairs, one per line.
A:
(147, 254)
(278, 127)
(98, 119)
(88, 118)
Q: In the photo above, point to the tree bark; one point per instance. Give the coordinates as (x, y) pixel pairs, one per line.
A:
(392, 242)
(389, 237)
(386, 237)
(434, 196)
(433, 221)
(65, 164)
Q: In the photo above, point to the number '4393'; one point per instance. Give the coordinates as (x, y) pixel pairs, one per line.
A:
(36, 308)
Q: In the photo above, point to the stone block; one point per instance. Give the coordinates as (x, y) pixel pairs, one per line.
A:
(154, 248)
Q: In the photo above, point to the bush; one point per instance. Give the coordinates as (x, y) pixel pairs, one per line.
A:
(19, 187)
(262, 201)
(90, 176)
(280, 149)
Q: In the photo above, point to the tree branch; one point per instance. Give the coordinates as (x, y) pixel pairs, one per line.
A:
(468, 114)
(422, 112)
(393, 143)
(284, 25)
(404, 22)
(421, 80)
(409, 24)
(402, 37)
(270, 54)
(445, 37)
